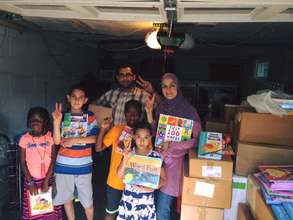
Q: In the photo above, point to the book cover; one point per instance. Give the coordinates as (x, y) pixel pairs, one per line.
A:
(41, 203)
(125, 139)
(143, 171)
(277, 173)
(74, 125)
(171, 128)
(210, 145)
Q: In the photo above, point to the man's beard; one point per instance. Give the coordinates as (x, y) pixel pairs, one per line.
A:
(129, 86)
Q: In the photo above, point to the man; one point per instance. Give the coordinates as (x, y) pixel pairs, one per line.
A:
(127, 90)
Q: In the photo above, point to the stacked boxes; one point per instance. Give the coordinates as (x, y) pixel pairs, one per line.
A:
(263, 139)
(207, 188)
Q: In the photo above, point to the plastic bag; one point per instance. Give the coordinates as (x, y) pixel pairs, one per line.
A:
(264, 103)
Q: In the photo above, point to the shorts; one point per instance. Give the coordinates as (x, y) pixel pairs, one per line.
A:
(113, 200)
(66, 184)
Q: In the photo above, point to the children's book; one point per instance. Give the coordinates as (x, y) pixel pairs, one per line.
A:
(41, 203)
(210, 145)
(277, 173)
(74, 125)
(143, 171)
(125, 139)
(171, 128)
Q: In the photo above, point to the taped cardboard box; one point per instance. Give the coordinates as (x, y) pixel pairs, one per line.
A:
(206, 192)
(250, 156)
(239, 187)
(253, 186)
(244, 212)
(200, 213)
(218, 126)
(205, 168)
(265, 128)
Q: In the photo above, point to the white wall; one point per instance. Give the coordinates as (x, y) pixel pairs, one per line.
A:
(37, 70)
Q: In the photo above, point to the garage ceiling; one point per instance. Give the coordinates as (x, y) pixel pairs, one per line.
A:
(209, 21)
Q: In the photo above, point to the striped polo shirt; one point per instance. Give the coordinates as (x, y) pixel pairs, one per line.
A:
(77, 159)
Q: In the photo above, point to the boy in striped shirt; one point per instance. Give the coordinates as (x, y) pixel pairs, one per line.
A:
(76, 133)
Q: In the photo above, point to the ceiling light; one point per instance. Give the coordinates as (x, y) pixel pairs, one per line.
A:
(159, 39)
(152, 41)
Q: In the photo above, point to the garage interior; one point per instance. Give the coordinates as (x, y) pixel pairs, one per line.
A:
(46, 46)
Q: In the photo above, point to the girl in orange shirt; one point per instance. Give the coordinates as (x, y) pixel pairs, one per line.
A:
(37, 156)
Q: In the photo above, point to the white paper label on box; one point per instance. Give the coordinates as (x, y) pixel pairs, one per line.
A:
(204, 189)
(211, 171)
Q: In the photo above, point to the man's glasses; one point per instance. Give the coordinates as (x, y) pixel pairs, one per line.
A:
(125, 75)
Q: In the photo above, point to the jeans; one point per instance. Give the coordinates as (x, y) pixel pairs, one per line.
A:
(163, 205)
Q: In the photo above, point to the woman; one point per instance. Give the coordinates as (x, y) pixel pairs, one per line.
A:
(173, 152)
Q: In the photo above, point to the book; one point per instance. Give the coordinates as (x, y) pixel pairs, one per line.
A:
(41, 203)
(277, 172)
(210, 145)
(143, 171)
(74, 125)
(171, 128)
(125, 139)
(100, 112)
(280, 212)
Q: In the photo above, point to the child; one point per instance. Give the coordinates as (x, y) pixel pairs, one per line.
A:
(137, 202)
(73, 167)
(116, 135)
(37, 156)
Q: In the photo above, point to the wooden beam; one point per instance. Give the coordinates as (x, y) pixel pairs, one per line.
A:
(266, 13)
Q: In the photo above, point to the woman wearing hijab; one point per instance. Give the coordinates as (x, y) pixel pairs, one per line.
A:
(174, 104)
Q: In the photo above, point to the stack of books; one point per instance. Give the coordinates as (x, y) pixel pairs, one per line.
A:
(277, 189)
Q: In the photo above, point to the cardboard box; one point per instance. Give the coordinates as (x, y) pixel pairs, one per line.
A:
(239, 187)
(250, 156)
(262, 210)
(265, 128)
(217, 126)
(100, 112)
(203, 168)
(253, 186)
(244, 212)
(206, 192)
(200, 213)
(259, 209)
